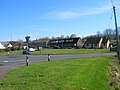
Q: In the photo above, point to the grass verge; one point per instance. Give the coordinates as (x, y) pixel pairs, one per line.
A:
(69, 51)
(11, 53)
(68, 74)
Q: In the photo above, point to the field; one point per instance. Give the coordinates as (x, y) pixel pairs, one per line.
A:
(68, 74)
(70, 51)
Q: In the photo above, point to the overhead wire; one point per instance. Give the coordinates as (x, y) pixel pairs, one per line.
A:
(111, 17)
(112, 3)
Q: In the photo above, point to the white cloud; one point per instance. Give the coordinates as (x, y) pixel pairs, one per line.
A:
(76, 13)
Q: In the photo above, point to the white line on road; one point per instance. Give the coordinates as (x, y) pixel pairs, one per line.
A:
(5, 61)
(13, 61)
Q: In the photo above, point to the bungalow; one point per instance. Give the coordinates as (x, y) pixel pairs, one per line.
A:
(9, 46)
(66, 43)
(39, 43)
(105, 43)
(96, 42)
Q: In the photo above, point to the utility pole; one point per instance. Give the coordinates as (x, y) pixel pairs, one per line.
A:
(117, 35)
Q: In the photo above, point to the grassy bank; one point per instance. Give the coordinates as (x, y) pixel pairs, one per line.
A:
(69, 51)
(68, 74)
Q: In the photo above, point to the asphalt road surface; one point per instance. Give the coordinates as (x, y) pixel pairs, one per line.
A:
(14, 60)
(8, 62)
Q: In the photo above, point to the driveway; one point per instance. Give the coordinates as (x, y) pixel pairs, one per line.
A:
(8, 62)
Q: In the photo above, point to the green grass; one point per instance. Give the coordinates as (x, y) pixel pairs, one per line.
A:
(68, 74)
(70, 51)
(58, 51)
(11, 53)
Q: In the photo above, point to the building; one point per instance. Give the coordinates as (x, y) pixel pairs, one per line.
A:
(9, 46)
(2, 47)
(66, 43)
(96, 42)
(105, 43)
(40, 43)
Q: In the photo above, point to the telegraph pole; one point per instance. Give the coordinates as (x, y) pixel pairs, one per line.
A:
(117, 35)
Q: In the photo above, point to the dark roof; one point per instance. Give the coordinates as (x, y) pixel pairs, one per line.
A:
(65, 40)
(105, 40)
(4, 43)
(92, 40)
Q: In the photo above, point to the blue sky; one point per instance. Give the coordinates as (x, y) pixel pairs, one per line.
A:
(47, 18)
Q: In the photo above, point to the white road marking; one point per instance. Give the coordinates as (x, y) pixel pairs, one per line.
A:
(18, 61)
(14, 61)
(5, 61)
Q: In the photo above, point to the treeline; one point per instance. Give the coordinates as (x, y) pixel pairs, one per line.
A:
(42, 42)
(109, 33)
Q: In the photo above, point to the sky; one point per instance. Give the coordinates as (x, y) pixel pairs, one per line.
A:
(48, 18)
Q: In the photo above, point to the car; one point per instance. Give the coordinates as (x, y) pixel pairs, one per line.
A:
(31, 49)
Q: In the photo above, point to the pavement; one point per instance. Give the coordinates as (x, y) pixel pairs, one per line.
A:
(9, 62)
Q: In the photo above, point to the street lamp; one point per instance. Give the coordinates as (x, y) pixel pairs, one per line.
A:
(27, 40)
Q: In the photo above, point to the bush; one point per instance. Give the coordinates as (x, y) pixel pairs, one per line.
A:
(2, 50)
(7, 50)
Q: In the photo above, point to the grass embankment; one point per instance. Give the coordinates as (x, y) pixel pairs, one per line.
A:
(68, 74)
(70, 51)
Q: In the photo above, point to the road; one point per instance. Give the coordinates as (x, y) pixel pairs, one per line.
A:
(13, 60)
(8, 62)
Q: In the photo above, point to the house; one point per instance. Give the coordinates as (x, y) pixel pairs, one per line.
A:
(93, 42)
(9, 46)
(2, 47)
(5, 44)
(39, 43)
(96, 42)
(66, 43)
(105, 43)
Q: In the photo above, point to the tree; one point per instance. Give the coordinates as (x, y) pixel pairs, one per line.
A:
(108, 33)
(118, 30)
(99, 34)
(61, 37)
(53, 37)
(114, 33)
(67, 36)
(73, 36)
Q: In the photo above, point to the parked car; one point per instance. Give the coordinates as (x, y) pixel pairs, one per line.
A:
(31, 49)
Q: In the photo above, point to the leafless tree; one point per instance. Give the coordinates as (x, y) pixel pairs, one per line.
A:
(73, 36)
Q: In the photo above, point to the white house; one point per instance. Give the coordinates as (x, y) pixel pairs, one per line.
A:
(9, 46)
(2, 47)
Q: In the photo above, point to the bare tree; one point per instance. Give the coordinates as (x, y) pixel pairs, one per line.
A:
(67, 36)
(99, 34)
(108, 33)
(73, 36)
(62, 37)
(114, 32)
